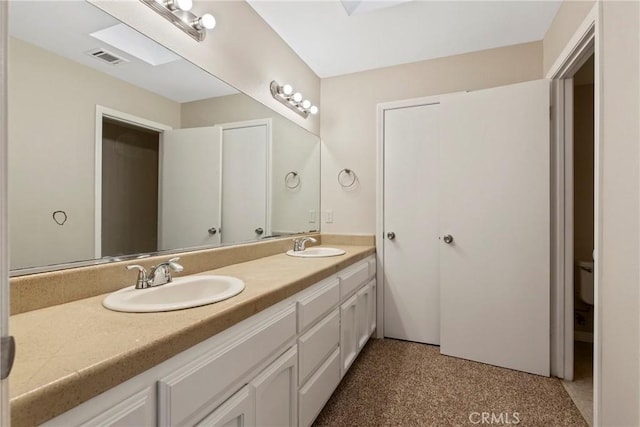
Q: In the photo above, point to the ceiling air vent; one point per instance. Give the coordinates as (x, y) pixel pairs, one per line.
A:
(106, 56)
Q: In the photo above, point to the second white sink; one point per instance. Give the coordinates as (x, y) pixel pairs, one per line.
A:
(316, 252)
(182, 292)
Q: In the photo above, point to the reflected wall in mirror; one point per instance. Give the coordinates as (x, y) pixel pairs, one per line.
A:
(118, 146)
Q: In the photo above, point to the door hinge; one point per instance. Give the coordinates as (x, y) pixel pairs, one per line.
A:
(7, 356)
(550, 112)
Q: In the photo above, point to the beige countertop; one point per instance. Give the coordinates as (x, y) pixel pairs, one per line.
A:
(68, 353)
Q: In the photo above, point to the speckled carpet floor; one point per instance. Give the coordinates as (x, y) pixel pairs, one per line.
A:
(399, 383)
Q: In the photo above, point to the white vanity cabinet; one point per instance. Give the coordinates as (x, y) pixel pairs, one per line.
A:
(357, 322)
(279, 367)
(343, 309)
(188, 394)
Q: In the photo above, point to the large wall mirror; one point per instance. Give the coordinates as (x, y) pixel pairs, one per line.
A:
(119, 147)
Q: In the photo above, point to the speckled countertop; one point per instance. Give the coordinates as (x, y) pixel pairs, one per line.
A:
(69, 353)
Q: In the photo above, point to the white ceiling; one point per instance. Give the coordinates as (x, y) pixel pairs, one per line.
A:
(64, 28)
(384, 33)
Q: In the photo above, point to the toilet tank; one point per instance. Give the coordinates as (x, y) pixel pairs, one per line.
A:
(585, 281)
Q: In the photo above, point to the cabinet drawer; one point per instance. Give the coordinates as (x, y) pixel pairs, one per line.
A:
(186, 391)
(313, 305)
(353, 277)
(317, 344)
(318, 389)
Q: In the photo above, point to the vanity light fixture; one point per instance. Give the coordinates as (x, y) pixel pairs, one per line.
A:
(178, 12)
(293, 100)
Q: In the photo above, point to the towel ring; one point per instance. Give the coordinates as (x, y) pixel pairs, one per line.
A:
(292, 176)
(60, 217)
(350, 173)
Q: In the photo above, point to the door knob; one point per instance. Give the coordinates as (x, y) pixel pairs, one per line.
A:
(212, 231)
(448, 239)
(391, 235)
(259, 230)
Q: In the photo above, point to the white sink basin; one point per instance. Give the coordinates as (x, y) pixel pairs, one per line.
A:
(317, 252)
(182, 292)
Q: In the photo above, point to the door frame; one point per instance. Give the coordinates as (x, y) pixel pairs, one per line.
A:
(101, 113)
(251, 123)
(585, 41)
(4, 197)
(381, 108)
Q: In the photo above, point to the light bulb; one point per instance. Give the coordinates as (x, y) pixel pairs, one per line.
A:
(287, 90)
(306, 104)
(313, 109)
(207, 21)
(297, 97)
(185, 5)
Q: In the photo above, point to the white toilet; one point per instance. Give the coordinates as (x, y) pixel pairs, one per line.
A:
(585, 281)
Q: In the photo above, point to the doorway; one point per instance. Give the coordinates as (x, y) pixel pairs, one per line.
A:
(129, 188)
(580, 384)
(131, 145)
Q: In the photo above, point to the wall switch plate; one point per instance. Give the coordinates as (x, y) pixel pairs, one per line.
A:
(328, 217)
(312, 216)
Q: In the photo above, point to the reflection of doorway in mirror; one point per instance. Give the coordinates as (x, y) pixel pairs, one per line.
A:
(246, 182)
(129, 188)
(126, 183)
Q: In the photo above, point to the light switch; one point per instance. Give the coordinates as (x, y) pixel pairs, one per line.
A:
(312, 216)
(329, 217)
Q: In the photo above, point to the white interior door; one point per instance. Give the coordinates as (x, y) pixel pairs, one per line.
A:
(411, 261)
(494, 201)
(245, 149)
(190, 188)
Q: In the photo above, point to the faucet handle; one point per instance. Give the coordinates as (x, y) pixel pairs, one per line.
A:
(141, 281)
(173, 263)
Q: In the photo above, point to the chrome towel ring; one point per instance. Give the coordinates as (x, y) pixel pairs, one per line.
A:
(292, 180)
(347, 178)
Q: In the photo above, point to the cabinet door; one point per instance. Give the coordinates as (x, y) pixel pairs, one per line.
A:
(276, 392)
(363, 313)
(137, 410)
(348, 334)
(237, 411)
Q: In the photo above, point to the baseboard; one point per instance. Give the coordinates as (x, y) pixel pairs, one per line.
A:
(583, 336)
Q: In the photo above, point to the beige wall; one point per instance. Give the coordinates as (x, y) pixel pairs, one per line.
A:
(569, 17)
(293, 149)
(52, 107)
(242, 50)
(348, 128)
(620, 214)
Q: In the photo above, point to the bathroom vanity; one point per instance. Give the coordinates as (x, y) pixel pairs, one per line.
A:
(273, 354)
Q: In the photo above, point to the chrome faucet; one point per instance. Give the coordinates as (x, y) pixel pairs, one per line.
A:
(299, 244)
(159, 274)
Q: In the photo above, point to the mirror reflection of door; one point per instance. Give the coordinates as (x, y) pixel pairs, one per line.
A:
(129, 188)
(245, 180)
(190, 188)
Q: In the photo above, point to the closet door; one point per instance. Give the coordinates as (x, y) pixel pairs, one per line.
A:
(190, 174)
(245, 181)
(494, 205)
(411, 260)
